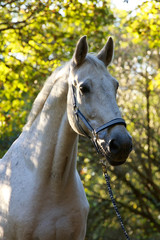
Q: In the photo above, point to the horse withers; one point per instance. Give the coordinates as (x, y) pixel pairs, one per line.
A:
(41, 194)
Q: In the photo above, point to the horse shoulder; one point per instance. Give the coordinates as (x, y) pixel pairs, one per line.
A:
(63, 216)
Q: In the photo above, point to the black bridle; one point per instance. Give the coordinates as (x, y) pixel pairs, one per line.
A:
(93, 132)
(94, 137)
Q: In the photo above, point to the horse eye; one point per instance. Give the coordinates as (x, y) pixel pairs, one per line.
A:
(84, 88)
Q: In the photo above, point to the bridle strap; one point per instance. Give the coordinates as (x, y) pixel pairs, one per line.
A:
(110, 124)
(79, 115)
(84, 120)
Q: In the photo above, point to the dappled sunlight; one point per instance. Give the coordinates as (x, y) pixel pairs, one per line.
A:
(36, 149)
(1, 229)
(5, 188)
(5, 197)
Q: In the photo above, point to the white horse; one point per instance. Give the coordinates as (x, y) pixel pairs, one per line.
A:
(41, 194)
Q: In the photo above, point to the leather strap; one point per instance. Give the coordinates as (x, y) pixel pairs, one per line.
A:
(110, 124)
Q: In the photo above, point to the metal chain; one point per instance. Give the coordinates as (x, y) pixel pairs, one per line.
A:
(113, 200)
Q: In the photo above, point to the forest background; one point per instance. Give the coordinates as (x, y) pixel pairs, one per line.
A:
(35, 38)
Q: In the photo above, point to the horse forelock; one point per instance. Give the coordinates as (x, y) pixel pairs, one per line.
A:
(59, 75)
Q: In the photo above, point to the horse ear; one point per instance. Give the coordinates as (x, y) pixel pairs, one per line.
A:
(80, 51)
(107, 52)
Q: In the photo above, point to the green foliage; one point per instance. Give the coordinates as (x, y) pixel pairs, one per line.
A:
(35, 37)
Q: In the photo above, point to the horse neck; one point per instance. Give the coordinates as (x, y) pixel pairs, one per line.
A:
(64, 163)
(52, 144)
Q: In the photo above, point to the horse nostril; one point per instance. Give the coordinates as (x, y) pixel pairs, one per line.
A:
(114, 146)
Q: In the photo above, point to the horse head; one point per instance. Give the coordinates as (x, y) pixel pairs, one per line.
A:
(91, 102)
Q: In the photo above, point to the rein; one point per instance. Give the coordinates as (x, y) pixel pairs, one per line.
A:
(94, 137)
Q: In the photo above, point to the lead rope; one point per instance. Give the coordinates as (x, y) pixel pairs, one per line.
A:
(104, 168)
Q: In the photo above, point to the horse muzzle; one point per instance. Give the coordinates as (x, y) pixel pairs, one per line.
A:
(116, 145)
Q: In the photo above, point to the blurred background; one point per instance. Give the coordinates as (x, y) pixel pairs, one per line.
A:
(38, 36)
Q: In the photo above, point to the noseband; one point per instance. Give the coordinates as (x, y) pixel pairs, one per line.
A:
(94, 132)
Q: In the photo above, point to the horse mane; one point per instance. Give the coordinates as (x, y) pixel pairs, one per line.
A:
(61, 73)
